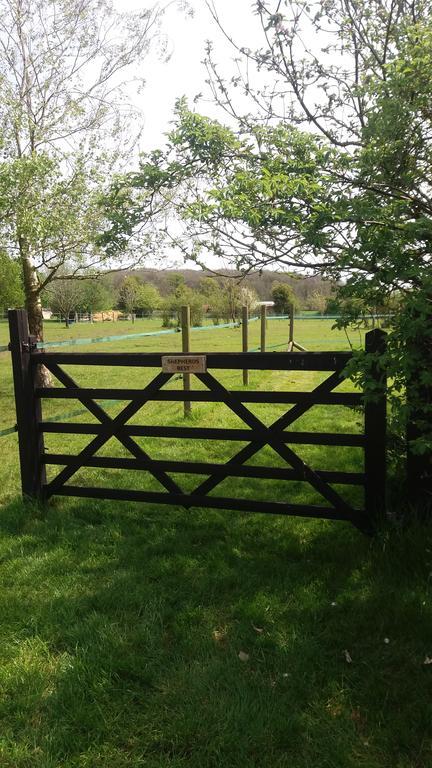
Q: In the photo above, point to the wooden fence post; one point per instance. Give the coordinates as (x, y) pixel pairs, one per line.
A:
(375, 433)
(245, 328)
(185, 322)
(263, 327)
(28, 408)
(291, 328)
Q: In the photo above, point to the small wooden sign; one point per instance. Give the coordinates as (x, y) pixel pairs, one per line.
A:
(184, 363)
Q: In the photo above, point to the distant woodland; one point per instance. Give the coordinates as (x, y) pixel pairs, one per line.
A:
(308, 290)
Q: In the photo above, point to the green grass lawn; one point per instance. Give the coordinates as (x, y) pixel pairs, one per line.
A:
(153, 637)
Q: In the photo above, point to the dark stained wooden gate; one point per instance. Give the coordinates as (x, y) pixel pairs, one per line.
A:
(32, 427)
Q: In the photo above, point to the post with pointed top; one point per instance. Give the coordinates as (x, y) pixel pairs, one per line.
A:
(185, 320)
(375, 431)
(28, 408)
(245, 324)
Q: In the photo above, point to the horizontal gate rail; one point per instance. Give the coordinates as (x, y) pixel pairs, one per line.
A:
(205, 468)
(204, 396)
(259, 361)
(210, 433)
(216, 502)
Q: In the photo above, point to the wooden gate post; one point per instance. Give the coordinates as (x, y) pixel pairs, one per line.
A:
(419, 416)
(28, 408)
(185, 321)
(245, 326)
(375, 432)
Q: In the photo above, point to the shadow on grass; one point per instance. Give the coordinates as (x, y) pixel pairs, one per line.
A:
(122, 627)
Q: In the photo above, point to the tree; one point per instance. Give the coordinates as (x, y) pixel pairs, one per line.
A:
(176, 281)
(135, 296)
(247, 297)
(279, 194)
(95, 295)
(284, 298)
(230, 299)
(183, 296)
(349, 199)
(358, 75)
(64, 298)
(11, 292)
(129, 295)
(48, 222)
(225, 296)
(227, 197)
(212, 295)
(148, 299)
(318, 302)
(64, 67)
(323, 61)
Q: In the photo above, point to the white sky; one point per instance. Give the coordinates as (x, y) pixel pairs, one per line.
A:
(183, 74)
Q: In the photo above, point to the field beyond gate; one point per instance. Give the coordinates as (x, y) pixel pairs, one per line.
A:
(32, 427)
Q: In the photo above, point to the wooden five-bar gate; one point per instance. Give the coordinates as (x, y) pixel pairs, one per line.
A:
(31, 428)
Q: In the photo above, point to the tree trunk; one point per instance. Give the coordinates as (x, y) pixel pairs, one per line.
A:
(32, 299)
(33, 306)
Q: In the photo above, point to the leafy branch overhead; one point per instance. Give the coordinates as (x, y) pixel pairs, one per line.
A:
(329, 172)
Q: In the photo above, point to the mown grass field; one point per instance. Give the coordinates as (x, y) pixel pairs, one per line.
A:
(122, 624)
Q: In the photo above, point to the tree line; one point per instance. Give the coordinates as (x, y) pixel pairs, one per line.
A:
(144, 292)
(218, 298)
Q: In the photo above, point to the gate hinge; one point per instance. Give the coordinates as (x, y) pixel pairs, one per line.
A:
(29, 346)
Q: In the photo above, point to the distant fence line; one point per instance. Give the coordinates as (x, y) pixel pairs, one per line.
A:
(86, 318)
(220, 326)
(326, 317)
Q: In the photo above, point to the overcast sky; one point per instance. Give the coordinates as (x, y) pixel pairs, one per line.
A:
(185, 37)
(184, 74)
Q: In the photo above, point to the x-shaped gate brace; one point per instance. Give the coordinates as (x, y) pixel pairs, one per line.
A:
(270, 439)
(114, 427)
